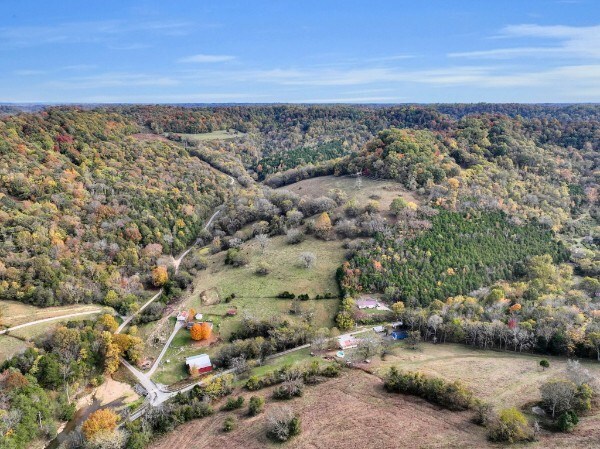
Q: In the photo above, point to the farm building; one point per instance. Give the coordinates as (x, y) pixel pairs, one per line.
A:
(182, 316)
(198, 316)
(367, 303)
(347, 342)
(396, 324)
(198, 364)
(379, 329)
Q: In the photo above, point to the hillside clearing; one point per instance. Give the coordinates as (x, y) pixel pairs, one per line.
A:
(215, 135)
(371, 189)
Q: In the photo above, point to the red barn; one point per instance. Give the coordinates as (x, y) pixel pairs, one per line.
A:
(198, 364)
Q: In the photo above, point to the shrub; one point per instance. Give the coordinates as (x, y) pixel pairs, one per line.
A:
(544, 364)
(567, 421)
(256, 405)
(332, 370)
(236, 257)
(282, 424)
(511, 426)
(286, 295)
(303, 297)
(263, 269)
(229, 424)
(234, 404)
(452, 395)
(294, 237)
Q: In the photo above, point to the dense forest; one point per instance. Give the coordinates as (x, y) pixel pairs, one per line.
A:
(86, 208)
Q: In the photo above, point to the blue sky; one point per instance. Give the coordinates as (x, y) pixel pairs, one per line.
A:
(375, 51)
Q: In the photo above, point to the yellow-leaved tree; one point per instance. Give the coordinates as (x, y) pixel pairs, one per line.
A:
(104, 420)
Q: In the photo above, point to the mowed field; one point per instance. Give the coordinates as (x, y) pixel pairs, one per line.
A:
(504, 379)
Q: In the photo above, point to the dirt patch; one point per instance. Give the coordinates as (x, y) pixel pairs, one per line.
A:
(111, 390)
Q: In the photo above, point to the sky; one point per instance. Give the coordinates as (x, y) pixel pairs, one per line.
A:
(301, 51)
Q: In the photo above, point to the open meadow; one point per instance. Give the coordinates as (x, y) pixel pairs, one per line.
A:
(381, 191)
(215, 135)
(254, 295)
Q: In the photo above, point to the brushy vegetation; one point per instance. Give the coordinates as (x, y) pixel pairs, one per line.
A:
(452, 395)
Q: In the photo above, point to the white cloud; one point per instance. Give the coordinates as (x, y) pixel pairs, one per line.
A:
(202, 58)
(559, 42)
(113, 80)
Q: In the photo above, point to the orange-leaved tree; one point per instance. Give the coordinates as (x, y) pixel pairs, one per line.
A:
(99, 421)
(206, 330)
(196, 332)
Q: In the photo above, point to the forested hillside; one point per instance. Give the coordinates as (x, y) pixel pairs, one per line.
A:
(86, 208)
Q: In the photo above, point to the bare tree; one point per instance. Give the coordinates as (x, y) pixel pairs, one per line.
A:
(558, 395)
(308, 259)
(263, 241)
(239, 365)
(278, 423)
(368, 347)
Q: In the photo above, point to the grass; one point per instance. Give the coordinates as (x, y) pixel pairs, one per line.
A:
(505, 379)
(215, 135)
(286, 274)
(15, 313)
(10, 346)
(293, 358)
(385, 191)
(32, 332)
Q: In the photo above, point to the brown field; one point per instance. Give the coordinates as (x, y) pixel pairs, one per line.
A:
(355, 412)
(352, 411)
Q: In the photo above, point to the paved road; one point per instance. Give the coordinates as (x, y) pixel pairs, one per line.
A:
(45, 320)
(178, 325)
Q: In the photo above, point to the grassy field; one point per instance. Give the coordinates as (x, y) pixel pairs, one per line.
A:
(501, 378)
(215, 135)
(382, 191)
(10, 346)
(31, 332)
(15, 313)
(286, 274)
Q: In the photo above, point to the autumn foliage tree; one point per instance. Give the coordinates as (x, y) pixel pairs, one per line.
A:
(196, 332)
(104, 420)
(323, 225)
(160, 276)
(200, 331)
